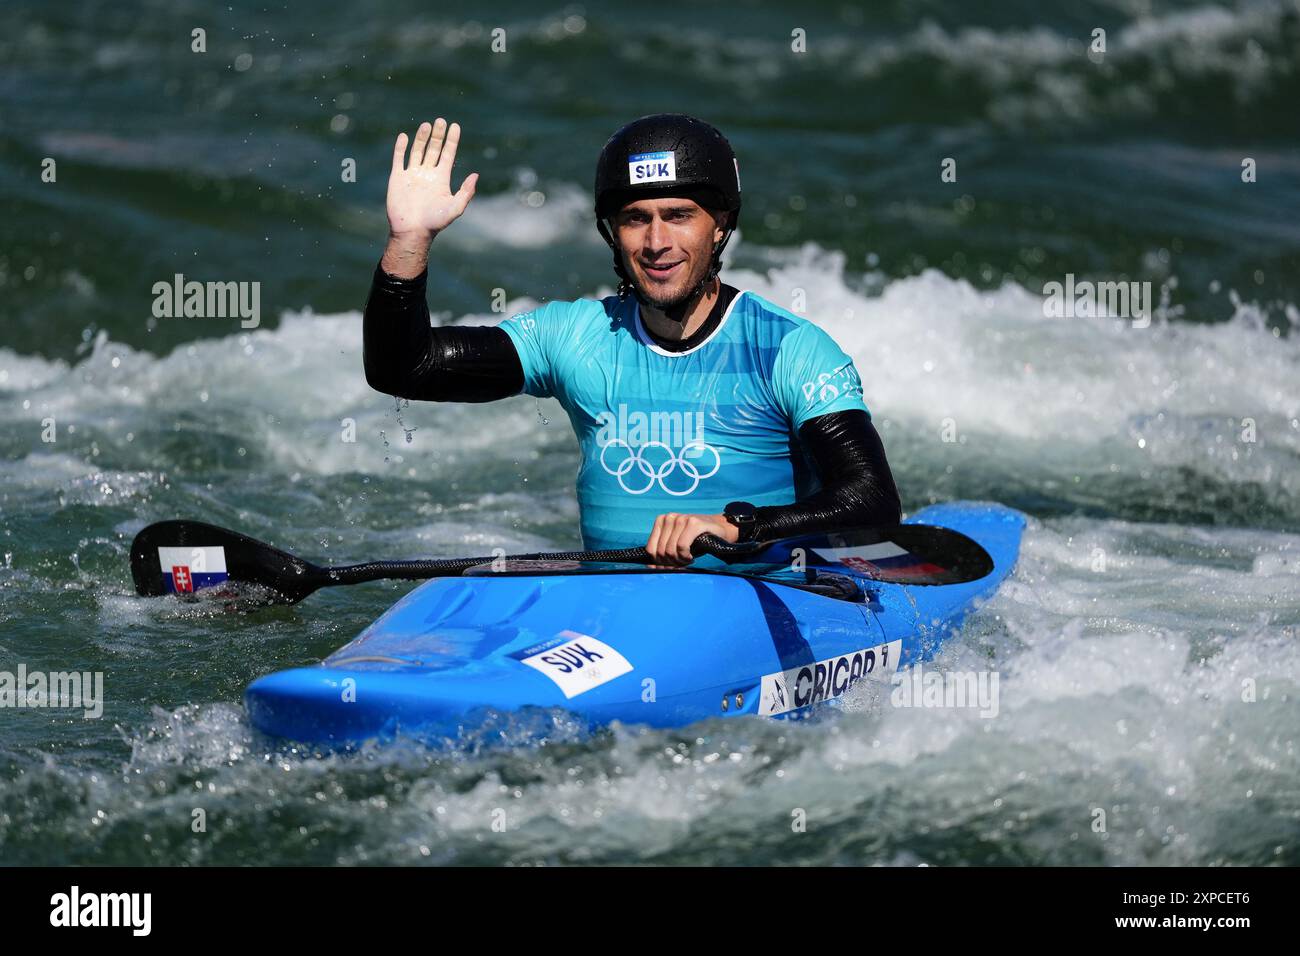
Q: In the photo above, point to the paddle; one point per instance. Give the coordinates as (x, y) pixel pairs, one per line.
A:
(185, 556)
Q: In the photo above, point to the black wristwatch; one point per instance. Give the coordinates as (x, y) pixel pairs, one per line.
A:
(744, 516)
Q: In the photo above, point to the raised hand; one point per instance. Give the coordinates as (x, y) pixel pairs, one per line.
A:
(420, 200)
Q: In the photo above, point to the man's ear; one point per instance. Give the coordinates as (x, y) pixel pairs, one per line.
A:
(720, 220)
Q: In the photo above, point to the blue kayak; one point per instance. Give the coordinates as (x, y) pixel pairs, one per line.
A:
(630, 644)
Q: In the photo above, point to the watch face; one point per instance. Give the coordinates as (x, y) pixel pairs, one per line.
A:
(742, 515)
(739, 511)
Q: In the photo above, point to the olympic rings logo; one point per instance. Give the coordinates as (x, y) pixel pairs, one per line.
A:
(645, 474)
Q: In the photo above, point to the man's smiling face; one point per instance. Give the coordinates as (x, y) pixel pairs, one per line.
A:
(667, 246)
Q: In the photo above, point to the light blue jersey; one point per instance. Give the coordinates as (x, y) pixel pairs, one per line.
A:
(682, 431)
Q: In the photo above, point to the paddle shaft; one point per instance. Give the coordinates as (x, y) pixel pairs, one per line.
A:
(418, 570)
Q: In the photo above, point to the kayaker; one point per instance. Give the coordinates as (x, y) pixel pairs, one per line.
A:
(698, 407)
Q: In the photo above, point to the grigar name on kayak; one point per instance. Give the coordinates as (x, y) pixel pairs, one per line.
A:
(770, 526)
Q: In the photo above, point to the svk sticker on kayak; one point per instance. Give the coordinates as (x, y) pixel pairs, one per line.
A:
(575, 662)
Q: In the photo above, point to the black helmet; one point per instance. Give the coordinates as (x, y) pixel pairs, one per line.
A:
(668, 154)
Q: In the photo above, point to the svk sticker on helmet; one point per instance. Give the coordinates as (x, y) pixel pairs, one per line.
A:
(652, 167)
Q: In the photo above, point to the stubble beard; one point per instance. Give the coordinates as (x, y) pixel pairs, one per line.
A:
(680, 297)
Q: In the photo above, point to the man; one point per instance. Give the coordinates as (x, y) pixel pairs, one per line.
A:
(699, 408)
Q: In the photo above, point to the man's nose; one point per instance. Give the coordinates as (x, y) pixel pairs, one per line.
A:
(656, 237)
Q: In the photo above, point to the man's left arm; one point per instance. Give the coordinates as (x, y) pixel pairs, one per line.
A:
(857, 489)
(818, 387)
(857, 486)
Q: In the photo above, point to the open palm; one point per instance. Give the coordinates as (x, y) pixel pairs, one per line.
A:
(420, 200)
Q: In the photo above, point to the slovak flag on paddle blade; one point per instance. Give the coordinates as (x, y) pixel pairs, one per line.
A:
(187, 570)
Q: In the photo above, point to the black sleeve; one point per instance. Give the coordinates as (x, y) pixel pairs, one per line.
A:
(857, 486)
(406, 357)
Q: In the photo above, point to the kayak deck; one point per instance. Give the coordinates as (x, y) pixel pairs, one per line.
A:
(662, 649)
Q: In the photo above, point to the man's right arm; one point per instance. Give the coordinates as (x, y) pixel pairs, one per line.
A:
(406, 357)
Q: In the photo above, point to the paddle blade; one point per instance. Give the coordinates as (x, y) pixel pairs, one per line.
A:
(904, 554)
(184, 557)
